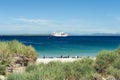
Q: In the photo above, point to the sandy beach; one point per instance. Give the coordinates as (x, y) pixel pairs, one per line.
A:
(47, 60)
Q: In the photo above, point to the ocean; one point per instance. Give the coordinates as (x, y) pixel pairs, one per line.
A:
(67, 46)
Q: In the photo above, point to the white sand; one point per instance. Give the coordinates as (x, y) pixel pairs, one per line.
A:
(47, 60)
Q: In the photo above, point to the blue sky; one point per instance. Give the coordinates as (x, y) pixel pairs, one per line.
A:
(71, 16)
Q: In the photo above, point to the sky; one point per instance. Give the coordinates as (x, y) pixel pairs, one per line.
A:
(70, 16)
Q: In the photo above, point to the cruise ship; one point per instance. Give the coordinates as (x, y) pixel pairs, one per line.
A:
(59, 34)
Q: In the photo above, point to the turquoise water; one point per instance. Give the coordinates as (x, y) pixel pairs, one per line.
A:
(68, 46)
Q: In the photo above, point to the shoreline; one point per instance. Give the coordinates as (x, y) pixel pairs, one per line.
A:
(64, 59)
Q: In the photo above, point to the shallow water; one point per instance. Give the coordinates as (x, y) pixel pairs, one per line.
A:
(68, 46)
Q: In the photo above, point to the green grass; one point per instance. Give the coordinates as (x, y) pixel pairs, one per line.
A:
(58, 71)
(10, 50)
(15, 48)
(107, 63)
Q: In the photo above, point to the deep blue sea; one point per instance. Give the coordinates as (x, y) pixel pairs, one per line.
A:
(67, 46)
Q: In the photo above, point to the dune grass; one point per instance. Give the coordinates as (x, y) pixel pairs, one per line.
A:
(82, 69)
(107, 63)
(14, 49)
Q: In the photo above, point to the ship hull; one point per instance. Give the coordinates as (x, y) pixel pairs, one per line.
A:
(59, 34)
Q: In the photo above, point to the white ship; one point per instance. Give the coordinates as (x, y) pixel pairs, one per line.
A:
(59, 34)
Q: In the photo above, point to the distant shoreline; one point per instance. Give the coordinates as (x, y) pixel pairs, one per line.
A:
(96, 34)
(68, 36)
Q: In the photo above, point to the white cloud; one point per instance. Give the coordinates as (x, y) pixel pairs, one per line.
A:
(36, 21)
(39, 26)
